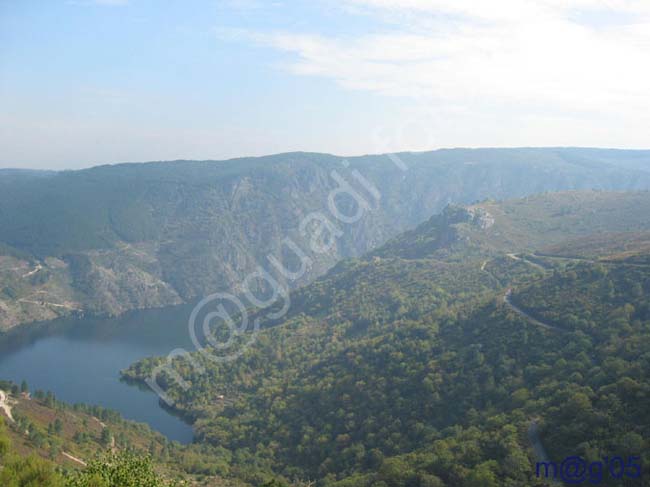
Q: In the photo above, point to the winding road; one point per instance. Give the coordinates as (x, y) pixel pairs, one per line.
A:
(4, 406)
(526, 261)
(507, 299)
(37, 268)
(74, 459)
(563, 258)
(533, 429)
(44, 303)
(538, 448)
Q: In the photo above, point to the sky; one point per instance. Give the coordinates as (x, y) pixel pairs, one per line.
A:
(88, 82)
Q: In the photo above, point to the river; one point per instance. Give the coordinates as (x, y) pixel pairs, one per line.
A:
(80, 359)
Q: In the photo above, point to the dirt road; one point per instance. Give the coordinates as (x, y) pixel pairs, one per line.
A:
(507, 299)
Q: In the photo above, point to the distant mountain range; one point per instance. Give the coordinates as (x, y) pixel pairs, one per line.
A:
(113, 238)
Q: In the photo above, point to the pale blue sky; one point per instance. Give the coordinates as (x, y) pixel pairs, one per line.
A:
(85, 82)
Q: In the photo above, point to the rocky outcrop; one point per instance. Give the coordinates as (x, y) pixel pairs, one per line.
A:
(114, 238)
(481, 218)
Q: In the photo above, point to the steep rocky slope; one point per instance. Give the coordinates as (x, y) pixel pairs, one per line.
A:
(114, 238)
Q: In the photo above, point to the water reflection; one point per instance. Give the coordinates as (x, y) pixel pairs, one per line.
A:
(79, 359)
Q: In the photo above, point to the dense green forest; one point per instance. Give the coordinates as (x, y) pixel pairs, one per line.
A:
(439, 359)
(410, 367)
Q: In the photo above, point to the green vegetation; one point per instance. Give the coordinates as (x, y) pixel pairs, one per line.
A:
(119, 470)
(407, 368)
(123, 469)
(114, 238)
(51, 430)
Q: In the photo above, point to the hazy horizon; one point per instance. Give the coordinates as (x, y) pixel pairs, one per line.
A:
(89, 82)
(324, 243)
(351, 156)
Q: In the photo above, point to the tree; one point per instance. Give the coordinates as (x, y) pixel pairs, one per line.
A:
(4, 441)
(482, 476)
(30, 472)
(24, 388)
(106, 437)
(58, 426)
(50, 399)
(123, 469)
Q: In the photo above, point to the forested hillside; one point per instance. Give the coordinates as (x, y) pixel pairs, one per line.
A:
(51, 444)
(436, 360)
(45, 443)
(114, 238)
(441, 358)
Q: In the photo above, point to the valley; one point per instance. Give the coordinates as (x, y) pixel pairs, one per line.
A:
(111, 239)
(520, 313)
(80, 359)
(418, 325)
(351, 243)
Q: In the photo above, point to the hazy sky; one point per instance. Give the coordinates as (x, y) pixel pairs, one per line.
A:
(84, 82)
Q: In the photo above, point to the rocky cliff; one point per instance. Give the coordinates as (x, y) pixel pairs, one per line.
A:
(127, 236)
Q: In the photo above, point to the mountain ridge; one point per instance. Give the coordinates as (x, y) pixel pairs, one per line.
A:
(113, 238)
(416, 369)
(602, 151)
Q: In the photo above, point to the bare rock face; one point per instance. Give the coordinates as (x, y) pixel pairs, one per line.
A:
(113, 238)
(34, 290)
(105, 282)
(129, 277)
(481, 218)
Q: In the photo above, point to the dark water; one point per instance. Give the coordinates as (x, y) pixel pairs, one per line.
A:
(80, 360)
